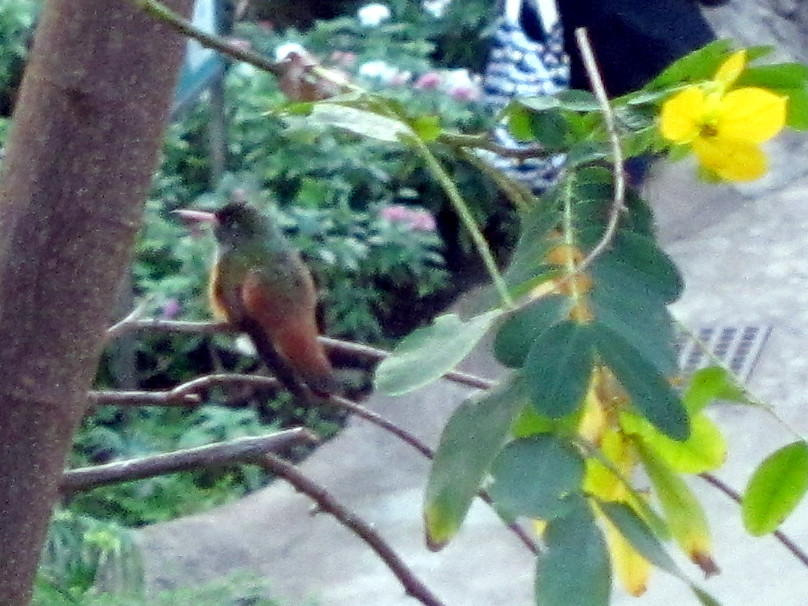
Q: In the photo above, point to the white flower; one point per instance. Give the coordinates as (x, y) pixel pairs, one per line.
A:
(284, 50)
(378, 70)
(462, 85)
(436, 8)
(371, 15)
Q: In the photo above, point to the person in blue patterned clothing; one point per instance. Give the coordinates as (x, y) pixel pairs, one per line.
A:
(533, 53)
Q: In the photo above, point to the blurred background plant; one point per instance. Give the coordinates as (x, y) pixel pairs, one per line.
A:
(383, 244)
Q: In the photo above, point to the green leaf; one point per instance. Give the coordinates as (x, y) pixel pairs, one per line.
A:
(427, 127)
(535, 477)
(578, 101)
(517, 333)
(550, 129)
(641, 319)
(705, 598)
(587, 152)
(575, 569)
(359, 121)
(797, 111)
(640, 535)
(530, 423)
(470, 440)
(701, 64)
(430, 352)
(704, 450)
(711, 383)
(527, 262)
(638, 256)
(519, 123)
(541, 103)
(775, 489)
(685, 515)
(558, 368)
(650, 392)
(776, 76)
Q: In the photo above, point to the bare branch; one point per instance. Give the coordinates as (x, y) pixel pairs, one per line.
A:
(187, 394)
(209, 328)
(135, 314)
(618, 203)
(778, 534)
(279, 69)
(186, 28)
(159, 325)
(245, 450)
(327, 503)
(142, 398)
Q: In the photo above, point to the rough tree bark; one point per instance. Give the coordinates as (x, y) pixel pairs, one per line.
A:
(84, 143)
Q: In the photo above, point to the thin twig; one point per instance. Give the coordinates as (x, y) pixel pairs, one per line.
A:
(209, 328)
(134, 315)
(462, 140)
(278, 69)
(618, 202)
(778, 534)
(160, 325)
(187, 394)
(244, 450)
(186, 28)
(141, 398)
(327, 503)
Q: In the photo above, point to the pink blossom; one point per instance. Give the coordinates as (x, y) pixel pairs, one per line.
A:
(171, 309)
(415, 219)
(396, 213)
(464, 93)
(422, 220)
(428, 81)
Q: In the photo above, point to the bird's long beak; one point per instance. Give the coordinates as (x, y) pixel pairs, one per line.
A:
(196, 216)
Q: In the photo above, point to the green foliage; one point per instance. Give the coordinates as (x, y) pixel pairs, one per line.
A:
(17, 18)
(776, 488)
(474, 434)
(79, 552)
(429, 352)
(575, 569)
(586, 333)
(231, 591)
(558, 366)
(114, 435)
(539, 477)
(590, 342)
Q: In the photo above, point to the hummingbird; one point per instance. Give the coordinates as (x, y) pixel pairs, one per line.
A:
(260, 284)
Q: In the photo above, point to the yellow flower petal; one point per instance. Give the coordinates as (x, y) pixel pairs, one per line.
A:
(729, 159)
(679, 119)
(632, 569)
(751, 114)
(730, 69)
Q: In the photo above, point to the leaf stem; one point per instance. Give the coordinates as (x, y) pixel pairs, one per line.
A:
(463, 211)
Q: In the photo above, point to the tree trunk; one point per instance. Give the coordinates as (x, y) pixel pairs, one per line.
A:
(80, 156)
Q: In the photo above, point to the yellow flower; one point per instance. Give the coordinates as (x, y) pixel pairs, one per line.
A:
(725, 127)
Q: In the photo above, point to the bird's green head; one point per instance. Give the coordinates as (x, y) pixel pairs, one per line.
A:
(238, 222)
(235, 224)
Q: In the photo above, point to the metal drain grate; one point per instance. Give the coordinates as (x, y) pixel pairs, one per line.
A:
(738, 348)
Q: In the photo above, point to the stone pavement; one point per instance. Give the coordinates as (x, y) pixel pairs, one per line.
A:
(744, 256)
